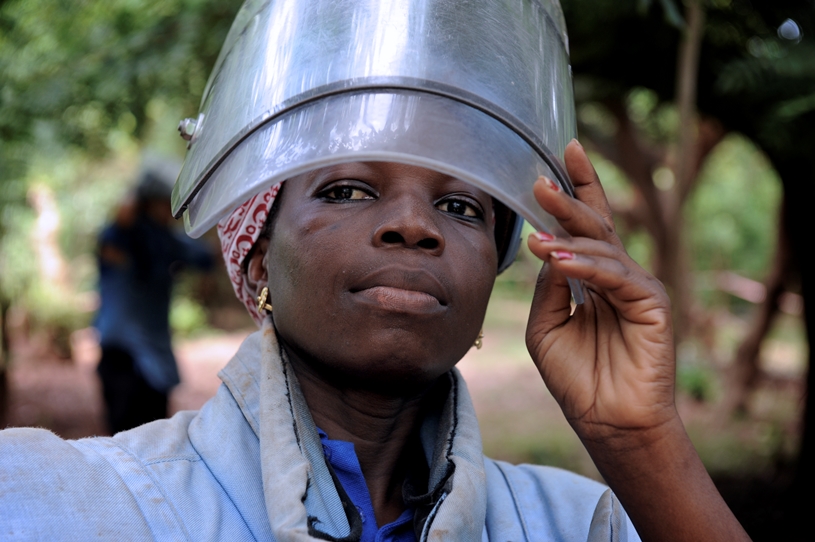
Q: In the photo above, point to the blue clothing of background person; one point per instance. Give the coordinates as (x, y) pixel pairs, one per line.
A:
(139, 256)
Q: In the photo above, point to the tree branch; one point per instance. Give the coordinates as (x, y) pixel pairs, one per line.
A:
(711, 133)
(638, 164)
(686, 86)
(743, 373)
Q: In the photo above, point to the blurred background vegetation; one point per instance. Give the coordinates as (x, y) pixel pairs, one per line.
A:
(699, 116)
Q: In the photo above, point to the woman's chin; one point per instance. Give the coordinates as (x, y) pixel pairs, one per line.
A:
(396, 358)
(399, 377)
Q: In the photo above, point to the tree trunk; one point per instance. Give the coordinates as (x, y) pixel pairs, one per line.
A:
(743, 374)
(659, 209)
(685, 170)
(798, 176)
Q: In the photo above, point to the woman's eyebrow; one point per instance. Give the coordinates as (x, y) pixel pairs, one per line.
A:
(341, 170)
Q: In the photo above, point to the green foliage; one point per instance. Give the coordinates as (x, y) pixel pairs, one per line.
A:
(751, 78)
(85, 85)
(695, 376)
(82, 79)
(778, 78)
(659, 121)
(186, 317)
(731, 218)
(87, 67)
(18, 268)
(85, 192)
(698, 381)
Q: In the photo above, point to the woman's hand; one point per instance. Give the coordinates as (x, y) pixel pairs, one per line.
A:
(610, 365)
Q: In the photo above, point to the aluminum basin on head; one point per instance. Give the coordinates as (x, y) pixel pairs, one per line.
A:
(473, 88)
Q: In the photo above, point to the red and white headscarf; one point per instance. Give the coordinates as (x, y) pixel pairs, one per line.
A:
(239, 231)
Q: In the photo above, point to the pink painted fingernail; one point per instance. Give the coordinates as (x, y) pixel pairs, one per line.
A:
(543, 236)
(551, 184)
(562, 255)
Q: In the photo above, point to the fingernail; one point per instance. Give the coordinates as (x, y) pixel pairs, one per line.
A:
(562, 255)
(551, 184)
(543, 236)
(578, 143)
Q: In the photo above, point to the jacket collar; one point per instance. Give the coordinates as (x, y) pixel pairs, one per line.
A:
(302, 500)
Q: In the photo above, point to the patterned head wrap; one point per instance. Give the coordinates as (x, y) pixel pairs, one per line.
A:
(239, 232)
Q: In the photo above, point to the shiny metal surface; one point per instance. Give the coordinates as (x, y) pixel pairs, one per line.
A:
(401, 126)
(505, 57)
(478, 89)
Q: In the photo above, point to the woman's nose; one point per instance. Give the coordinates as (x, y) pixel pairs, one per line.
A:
(410, 224)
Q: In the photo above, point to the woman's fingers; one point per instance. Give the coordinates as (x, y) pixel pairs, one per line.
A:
(587, 215)
(551, 304)
(594, 254)
(577, 218)
(605, 267)
(586, 181)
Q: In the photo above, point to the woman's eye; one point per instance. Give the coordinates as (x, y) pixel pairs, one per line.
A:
(344, 193)
(458, 207)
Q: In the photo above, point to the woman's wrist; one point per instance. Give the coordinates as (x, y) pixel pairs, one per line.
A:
(610, 440)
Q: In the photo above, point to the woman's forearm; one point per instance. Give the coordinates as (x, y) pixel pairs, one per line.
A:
(664, 487)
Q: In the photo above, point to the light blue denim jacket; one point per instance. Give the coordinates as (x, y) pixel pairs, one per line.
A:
(249, 466)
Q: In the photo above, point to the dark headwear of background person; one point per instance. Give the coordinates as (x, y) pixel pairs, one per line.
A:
(140, 253)
(156, 179)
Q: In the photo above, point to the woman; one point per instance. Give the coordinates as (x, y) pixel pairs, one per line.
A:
(344, 417)
(404, 259)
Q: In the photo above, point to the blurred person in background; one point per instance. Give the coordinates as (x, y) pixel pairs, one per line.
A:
(139, 257)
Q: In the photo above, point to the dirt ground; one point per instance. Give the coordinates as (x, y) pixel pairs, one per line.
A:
(520, 420)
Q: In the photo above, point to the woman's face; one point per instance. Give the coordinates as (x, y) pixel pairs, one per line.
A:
(381, 272)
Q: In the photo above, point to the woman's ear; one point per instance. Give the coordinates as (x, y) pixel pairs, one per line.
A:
(256, 275)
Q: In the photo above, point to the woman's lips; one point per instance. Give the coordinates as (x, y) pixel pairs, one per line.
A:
(399, 300)
(401, 290)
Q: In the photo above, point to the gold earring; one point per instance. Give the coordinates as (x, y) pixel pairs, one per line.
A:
(262, 305)
(479, 342)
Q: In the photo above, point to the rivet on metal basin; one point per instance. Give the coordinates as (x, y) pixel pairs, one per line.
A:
(187, 128)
